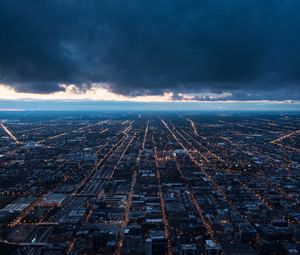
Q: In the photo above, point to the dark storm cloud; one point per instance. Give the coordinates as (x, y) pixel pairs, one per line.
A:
(249, 47)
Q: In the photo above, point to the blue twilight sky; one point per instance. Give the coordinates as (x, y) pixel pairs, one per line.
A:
(42, 105)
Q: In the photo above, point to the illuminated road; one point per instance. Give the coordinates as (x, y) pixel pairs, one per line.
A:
(11, 135)
(209, 176)
(200, 211)
(287, 147)
(157, 173)
(20, 219)
(162, 204)
(129, 196)
(256, 193)
(80, 129)
(193, 126)
(23, 244)
(297, 132)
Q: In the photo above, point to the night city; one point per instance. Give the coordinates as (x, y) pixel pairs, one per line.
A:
(161, 127)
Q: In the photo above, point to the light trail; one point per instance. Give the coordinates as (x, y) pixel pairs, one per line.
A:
(42, 223)
(126, 214)
(116, 165)
(163, 206)
(254, 192)
(65, 133)
(29, 130)
(23, 243)
(297, 132)
(92, 125)
(193, 126)
(145, 136)
(129, 196)
(226, 139)
(288, 147)
(20, 218)
(97, 170)
(246, 126)
(210, 152)
(210, 178)
(200, 211)
(162, 203)
(11, 135)
(25, 212)
(103, 131)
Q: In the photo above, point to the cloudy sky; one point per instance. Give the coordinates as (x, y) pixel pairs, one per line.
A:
(216, 50)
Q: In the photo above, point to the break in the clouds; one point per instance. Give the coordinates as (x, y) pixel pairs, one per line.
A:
(245, 49)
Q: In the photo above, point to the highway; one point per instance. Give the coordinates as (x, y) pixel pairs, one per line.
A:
(129, 196)
(11, 135)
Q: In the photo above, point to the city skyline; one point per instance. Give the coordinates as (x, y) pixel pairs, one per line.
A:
(149, 183)
(161, 127)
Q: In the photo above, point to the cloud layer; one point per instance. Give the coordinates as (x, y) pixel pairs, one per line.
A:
(250, 48)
